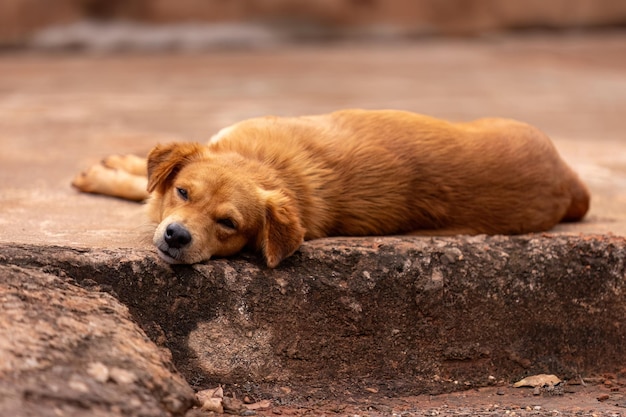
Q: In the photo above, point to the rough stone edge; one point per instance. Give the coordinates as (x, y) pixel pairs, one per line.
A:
(66, 350)
(587, 251)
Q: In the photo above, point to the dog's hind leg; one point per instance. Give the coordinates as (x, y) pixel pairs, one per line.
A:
(580, 201)
(132, 164)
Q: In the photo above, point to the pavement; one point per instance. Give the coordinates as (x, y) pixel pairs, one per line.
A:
(61, 112)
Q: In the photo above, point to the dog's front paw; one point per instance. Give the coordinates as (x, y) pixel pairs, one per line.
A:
(91, 180)
(100, 179)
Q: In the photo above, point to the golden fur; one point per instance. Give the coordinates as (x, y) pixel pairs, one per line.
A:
(269, 183)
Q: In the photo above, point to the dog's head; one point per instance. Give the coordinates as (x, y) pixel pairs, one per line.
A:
(209, 204)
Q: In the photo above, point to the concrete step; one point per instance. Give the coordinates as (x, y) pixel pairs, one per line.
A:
(398, 315)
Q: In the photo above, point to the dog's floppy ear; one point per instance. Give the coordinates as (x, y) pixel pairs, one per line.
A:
(282, 232)
(164, 162)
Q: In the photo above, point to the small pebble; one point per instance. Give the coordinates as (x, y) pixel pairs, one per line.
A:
(98, 371)
(77, 385)
(122, 376)
(212, 404)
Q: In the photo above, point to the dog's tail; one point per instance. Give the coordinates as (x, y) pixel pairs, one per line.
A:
(580, 200)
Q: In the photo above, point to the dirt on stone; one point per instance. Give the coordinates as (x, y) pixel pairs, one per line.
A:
(602, 397)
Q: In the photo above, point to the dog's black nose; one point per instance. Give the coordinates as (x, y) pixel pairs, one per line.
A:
(176, 235)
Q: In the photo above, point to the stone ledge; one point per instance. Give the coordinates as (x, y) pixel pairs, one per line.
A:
(398, 315)
(71, 352)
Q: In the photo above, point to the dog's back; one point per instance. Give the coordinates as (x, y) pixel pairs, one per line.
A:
(357, 172)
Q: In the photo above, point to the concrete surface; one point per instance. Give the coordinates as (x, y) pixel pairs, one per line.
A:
(61, 113)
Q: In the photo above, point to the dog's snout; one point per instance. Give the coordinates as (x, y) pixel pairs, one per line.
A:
(176, 235)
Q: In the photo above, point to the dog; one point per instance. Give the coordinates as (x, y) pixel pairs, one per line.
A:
(269, 183)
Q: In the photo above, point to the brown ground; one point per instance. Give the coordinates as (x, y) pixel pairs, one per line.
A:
(60, 113)
(492, 401)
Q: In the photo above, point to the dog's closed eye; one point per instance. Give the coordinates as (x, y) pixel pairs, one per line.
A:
(182, 193)
(227, 223)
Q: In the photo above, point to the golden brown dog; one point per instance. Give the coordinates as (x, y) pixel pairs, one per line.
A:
(269, 183)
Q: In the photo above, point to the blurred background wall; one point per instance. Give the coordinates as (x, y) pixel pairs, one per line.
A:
(21, 20)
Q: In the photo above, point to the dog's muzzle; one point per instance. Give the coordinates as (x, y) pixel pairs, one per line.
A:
(175, 238)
